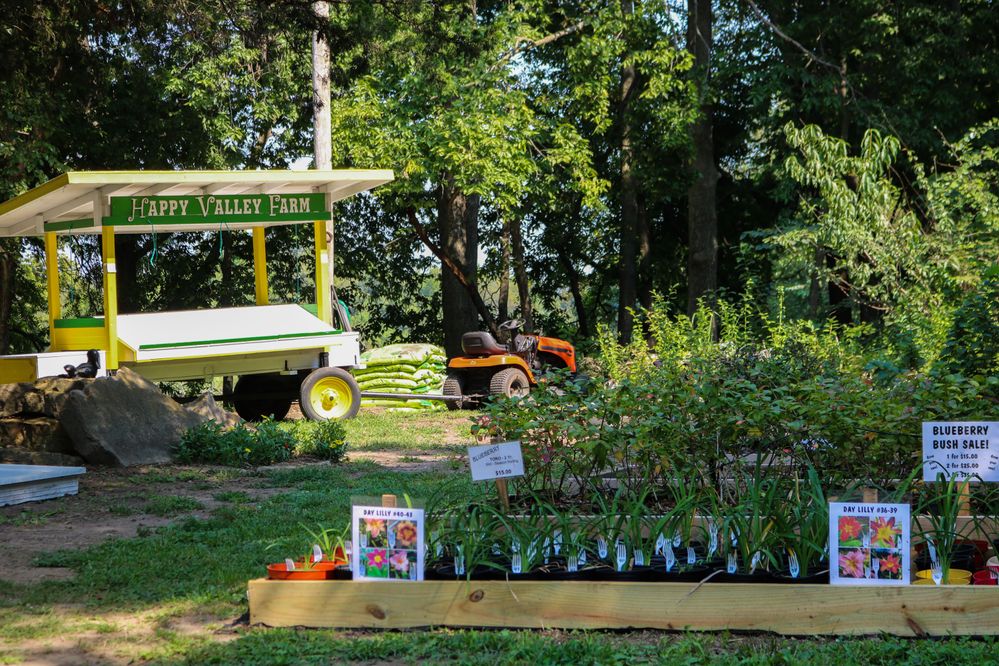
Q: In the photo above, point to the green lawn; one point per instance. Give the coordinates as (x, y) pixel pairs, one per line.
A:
(167, 595)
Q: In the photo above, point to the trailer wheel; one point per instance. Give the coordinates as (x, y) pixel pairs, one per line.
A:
(330, 393)
(509, 382)
(248, 403)
(453, 386)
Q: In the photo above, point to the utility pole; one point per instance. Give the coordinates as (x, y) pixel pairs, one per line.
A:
(322, 141)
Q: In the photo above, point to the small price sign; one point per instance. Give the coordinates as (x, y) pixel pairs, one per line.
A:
(501, 460)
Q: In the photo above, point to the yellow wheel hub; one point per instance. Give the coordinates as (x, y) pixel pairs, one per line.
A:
(331, 397)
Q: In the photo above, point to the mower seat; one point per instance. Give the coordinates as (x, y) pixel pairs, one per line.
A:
(481, 343)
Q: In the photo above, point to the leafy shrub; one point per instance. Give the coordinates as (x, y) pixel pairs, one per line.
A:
(240, 446)
(323, 439)
(699, 406)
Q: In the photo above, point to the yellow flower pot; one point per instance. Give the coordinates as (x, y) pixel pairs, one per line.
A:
(955, 577)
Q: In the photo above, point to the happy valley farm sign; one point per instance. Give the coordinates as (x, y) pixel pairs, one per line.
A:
(217, 209)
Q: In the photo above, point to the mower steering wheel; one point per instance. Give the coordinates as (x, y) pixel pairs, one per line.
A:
(511, 325)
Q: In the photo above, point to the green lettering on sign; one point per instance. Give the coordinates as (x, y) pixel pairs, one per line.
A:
(217, 209)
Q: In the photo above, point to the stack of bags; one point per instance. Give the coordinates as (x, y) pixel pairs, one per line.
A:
(407, 368)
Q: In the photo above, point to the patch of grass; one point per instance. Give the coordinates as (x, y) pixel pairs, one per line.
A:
(376, 430)
(122, 510)
(289, 646)
(233, 496)
(28, 518)
(169, 505)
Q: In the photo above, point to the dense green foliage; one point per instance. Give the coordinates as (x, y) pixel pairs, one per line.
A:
(265, 443)
(855, 144)
(326, 440)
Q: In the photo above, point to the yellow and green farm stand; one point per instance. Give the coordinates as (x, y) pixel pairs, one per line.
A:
(277, 351)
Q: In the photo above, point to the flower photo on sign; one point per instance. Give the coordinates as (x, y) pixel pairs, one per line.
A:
(885, 533)
(853, 562)
(375, 562)
(374, 530)
(852, 531)
(405, 533)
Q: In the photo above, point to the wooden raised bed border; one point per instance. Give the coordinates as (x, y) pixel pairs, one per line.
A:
(783, 609)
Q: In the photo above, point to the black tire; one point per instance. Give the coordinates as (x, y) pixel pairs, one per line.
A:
(330, 393)
(250, 406)
(509, 382)
(453, 385)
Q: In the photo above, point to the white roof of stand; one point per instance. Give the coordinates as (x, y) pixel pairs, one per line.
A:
(201, 200)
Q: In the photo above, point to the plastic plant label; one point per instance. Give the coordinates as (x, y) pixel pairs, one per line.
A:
(557, 541)
(676, 540)
(754, 562)
(961, 449)
(670, 558)
(515, 563)
(459, 565)
(387, 543)
(289, 564)
(496, 461)
(793, 567)
(732, 565)
(639, 558)
(933, 550)
(602, 547)
(869, 543)
(712, 539)
(571, 564)
(622, 556)
(497, 550)
(317, 553)
(547, 549)
(582, 556)
(660, 544)
(691, 557)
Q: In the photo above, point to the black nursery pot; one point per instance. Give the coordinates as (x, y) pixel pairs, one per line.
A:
(962, 557)
(341, 572)
(758, 577)
(480, 572)
(811, 579)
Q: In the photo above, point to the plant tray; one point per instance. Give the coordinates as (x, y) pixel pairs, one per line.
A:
(783, 609)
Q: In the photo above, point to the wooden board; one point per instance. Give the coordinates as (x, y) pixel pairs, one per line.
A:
(32, 483)
(783, 609)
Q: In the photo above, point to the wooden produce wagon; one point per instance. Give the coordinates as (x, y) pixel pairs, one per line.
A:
(278, 352)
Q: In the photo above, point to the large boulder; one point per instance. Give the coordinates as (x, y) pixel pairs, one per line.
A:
(125, 420)
(206, 407)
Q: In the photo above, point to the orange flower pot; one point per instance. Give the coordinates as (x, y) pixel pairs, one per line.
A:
(318, 571)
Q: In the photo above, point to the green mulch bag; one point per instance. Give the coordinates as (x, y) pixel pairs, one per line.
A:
(372, 376)
(414, 354)
(388, 383)
(404, 368)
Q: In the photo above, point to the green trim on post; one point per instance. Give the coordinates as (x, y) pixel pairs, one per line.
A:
(81, 322)
(69, 225)
(257, 338)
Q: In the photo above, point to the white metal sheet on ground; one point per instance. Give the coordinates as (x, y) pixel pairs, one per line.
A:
(32, 483)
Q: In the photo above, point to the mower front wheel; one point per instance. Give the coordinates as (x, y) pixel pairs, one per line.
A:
(510, 382)
(453, 385)
(330, 393)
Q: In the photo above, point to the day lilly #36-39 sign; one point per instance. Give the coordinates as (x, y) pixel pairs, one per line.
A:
(868, 544)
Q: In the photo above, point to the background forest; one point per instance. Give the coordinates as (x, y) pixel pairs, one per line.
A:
(574, 161)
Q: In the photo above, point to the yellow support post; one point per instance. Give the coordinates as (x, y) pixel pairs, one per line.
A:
(110, 295)
(260, 265)
(52, 280)
(322, 274)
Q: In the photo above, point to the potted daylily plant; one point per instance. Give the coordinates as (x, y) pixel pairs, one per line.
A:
(803, 532)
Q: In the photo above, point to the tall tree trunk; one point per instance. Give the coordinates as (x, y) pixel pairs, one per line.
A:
(9, 252)
(702, 216)
(128, 251)
(458, 223)
(503, 307)
(627, 289)
(644, 257)
(227, 297)
(520, 273)
(322, 141)
(577, 293)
